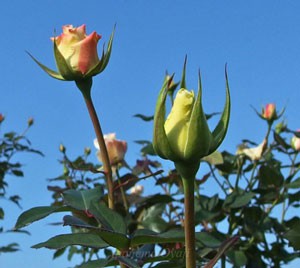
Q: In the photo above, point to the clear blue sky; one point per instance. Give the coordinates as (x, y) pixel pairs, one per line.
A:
(259, 40)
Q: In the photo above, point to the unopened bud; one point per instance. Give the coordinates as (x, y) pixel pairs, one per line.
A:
(30, 122)
(62, 148)
(137, 189)
(87, 150)
(1, 118)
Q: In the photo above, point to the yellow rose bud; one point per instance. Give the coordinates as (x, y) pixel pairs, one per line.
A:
(184, 137)
(178, 123)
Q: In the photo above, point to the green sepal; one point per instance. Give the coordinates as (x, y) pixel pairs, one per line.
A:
(222, 127)
(199, 136)
(50, 72)
(160, 141)
(188, 170)
(101, 65)
(63, 67)
(182, 83)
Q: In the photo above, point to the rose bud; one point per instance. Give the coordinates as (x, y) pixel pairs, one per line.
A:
(295, 142)
(184, 137)
(1, 118)
(76, 55)
(137, 189)
(269, 112)
(116, 149)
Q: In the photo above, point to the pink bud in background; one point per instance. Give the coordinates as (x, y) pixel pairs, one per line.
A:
(269, 113)
(116, 149)
(2, 118)
(295, 142)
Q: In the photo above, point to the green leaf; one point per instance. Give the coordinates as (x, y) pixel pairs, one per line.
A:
(82, 199)
(293, 236)
(225, 246)
(37, 213)
(215, 158)
(110, 219)
(294, 184)
(128, 262)
(50, 72)
(116, 240)
(153, 220)
(237, 200)
(270, 176)
(80, 239)
(207, 239)
(95, 264)
(75, 222)
(145, 236)
(169, 264)
(13, 247)
(144, 117)
(237, 257)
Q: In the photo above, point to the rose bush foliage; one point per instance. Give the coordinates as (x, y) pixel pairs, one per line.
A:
(236, 220)
(249, 195)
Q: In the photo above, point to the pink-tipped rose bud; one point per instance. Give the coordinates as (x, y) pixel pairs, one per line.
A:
(116, 149)
(295, 142)
(269, 112)
(78, 49)
(1, 118)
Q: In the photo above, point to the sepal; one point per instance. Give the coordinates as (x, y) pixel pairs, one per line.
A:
(198, 132)
(160, 141)
(101, 65)
(50, 72)
(220, 130)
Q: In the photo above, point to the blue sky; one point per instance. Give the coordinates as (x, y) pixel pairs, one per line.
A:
(259, 40)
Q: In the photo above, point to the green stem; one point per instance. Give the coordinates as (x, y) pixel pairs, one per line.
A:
(85, 88)
(189, 222)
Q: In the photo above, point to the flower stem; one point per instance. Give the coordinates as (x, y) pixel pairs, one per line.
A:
(189, 222)
(85, 88)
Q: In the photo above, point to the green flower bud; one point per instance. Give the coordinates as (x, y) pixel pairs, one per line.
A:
(184, 137)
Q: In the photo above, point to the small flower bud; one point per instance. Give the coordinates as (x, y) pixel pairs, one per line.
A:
(295, 142)
(116, 149)
(1, 118)
(62, 148)
(280, 127)
(137, 189)
(30, 122)
(269, 112)
(87, 150)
